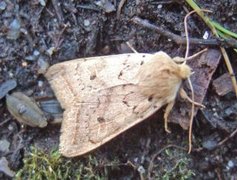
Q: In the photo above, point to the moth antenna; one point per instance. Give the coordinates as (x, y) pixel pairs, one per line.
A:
(189, 81)
(191, 117)
(186, 33)
(130, 46)
(186, 29)
(197, 54)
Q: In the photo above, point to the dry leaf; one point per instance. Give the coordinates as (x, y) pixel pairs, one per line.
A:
(104, 96)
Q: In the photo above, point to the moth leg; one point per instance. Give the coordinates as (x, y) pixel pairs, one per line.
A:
(167, 112)
(184, 95)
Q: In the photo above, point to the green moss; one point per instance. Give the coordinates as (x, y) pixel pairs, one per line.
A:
(39, 165)
(179, 171)
(173, 164)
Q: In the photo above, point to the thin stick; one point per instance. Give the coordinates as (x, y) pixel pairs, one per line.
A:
(221, 142)
(130, 46)
(230, 69)
(151, 165)
(4, 122)
(120, 6)
(227, 138)
(181, 40)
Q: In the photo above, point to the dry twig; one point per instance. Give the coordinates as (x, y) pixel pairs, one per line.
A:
(178, 39)
(120, 6)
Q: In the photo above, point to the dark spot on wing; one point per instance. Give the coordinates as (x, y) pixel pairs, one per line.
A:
(126, 103)
(167, 71)
(100, 119)
(120, 74)
(150, 98)
(134, 107)
(143, 55)
(142, 62)
(92, 77)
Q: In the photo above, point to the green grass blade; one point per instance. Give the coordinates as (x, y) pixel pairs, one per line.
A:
(224, 30)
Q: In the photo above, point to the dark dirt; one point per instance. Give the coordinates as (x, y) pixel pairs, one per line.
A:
(32, 35)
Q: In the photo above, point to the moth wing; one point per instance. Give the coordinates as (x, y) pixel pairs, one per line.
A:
(73, 79)
(100, 98)
(88, 125)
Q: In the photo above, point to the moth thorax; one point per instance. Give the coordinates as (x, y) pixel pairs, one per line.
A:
(185, 71)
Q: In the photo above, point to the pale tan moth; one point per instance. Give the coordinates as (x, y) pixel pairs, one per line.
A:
(104, 96)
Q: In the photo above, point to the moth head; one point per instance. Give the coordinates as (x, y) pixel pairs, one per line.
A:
(184, 70)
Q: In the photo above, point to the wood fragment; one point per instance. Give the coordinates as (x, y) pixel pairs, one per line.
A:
(223, 85)
(203, 68)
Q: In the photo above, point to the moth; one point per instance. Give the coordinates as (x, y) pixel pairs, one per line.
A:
(104, 96)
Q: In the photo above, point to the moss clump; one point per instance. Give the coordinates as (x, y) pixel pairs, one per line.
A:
(173, 164)
(39, 165)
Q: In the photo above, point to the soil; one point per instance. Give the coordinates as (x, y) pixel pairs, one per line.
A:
(40, 32)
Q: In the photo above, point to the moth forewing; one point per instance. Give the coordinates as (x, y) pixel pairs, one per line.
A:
(104, 96)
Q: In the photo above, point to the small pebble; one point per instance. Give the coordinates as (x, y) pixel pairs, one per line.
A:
(159, 6)
(24, 64)
(205, 35)
(136, 160)
(43, 65)
(4, 145)
(33, 57)
(209, 144)
(36, 53)
(14, 30)
(25, 110)
(3, 5)
(30, 58)
(86, 22)
(10, 74)
(42, 2)
(40, 83)
(230, 164)
(10, 128)
(50, 51)
(141, 170)
(5, 168)
(106, 5)
(6, 87)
